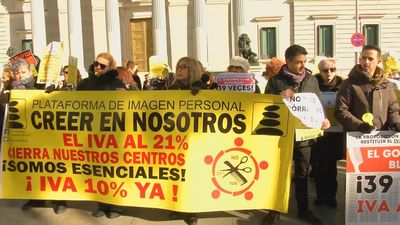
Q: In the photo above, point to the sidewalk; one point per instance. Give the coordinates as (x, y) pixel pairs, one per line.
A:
(80, 213)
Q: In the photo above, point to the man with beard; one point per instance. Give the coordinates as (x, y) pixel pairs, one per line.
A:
(366, 100)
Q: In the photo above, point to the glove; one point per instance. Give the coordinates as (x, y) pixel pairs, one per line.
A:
(50, 89)
(396, 127)
(365, 128)
(194, 91)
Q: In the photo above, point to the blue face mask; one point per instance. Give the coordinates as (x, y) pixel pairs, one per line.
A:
(27, 80)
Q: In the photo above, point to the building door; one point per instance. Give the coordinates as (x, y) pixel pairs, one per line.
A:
(142, 42)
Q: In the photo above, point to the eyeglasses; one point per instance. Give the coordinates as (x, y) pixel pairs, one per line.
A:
(102, 66)
(330, 69)
(65, 72)
(182, 67)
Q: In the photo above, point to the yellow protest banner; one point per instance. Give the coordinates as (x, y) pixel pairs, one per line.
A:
(168, 150)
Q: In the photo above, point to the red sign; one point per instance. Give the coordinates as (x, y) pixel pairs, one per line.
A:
(357, 40)
(26, 55)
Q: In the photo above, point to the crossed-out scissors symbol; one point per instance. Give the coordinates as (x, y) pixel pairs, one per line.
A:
(235, 170)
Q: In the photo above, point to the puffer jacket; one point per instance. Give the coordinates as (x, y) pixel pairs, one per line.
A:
(359, 94)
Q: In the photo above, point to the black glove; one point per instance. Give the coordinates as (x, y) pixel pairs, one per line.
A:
(50, 89)
(365, 128)
(194, 91)
(396, 127)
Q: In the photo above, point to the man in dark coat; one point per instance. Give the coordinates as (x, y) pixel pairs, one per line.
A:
(366, 93)
(292, 78)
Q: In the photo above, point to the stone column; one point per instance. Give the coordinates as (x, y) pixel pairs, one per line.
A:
(38, 27)
(239, 21)
(200, 32)
(75, 32)
(113, 30)
(159, 28)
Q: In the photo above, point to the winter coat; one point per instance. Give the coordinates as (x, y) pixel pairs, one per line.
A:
(281, 82)
(333, 86)
(361, 94)
(180, 86)
(106, 81)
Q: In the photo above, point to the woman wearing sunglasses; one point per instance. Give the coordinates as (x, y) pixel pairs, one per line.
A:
(329, 148)
(102, 75)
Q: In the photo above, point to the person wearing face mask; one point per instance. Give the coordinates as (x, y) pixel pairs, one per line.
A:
(292, 78)
(25, 80)
(367, 93)
(23, 77)
(330, 147)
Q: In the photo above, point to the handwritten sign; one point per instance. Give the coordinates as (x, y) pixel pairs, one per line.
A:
(307, 108)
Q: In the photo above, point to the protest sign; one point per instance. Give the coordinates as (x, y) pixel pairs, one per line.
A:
(372, 180)
(28, 57)
(149, 149)
(50, 65)
(243, 82)
(72, 70)
(307, 108)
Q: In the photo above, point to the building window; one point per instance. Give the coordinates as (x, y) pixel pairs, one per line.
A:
(371, 33)
(27, 45)
(268, 42)
(325, 40)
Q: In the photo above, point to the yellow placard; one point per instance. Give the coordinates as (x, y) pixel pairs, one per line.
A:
(50, 65)
(169, 151)
(73, 70)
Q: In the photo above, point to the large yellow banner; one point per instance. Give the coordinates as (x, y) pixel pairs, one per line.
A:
(162, 149)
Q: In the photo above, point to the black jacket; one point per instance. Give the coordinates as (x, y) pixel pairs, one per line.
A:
(106, 81)
(281, 82)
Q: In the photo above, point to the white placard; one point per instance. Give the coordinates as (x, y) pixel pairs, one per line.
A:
(307, 108)
(243, 82)
(373, 178)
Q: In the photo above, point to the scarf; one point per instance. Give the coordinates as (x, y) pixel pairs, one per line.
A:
(297, 79)
(375, 79)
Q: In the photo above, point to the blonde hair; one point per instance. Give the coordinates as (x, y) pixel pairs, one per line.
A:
(109, 58)
(325, 62)
(194, 70)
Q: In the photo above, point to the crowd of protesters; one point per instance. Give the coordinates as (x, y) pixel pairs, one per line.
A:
(357, 95)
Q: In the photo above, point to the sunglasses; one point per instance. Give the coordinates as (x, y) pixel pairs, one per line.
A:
(102, 66)
(182, 67)
(327, 70)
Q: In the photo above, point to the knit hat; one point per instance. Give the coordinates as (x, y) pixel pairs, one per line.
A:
(240, 62)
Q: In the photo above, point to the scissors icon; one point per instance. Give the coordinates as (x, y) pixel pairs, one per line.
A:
(235, 170)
